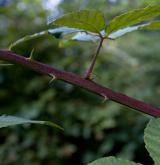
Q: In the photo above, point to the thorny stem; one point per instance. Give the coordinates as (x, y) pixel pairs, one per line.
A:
(81, 82)
(90, 68)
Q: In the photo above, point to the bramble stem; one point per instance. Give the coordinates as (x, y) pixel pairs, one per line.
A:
(90, 68)
(81, 82)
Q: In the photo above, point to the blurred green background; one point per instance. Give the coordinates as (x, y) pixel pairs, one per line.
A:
(93, 129)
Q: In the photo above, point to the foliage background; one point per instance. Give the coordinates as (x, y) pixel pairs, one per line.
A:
(93, 129)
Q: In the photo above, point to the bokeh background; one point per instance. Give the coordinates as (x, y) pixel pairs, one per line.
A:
(93, 129)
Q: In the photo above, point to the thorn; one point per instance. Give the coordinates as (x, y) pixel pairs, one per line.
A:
(91, 77)
(10, 46)
(105, 98)
(53, 77)
(94, 76)
(31, 56)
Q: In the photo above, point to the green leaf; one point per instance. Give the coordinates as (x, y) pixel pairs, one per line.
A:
(57, 32)
(152, 139)
(133, 17)
(112, 161)
(152, 26)
(88, 20)
(6, 121)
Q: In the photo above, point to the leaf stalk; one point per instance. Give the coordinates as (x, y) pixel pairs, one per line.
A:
(91, 66)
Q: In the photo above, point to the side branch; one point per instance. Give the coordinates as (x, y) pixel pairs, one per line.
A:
(81, 82)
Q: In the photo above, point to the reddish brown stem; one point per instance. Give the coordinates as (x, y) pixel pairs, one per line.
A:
(90, 69)
(81, 82)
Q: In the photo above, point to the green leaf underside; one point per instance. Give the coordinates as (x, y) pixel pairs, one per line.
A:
(73, 34)
(152, 26)
(83, 36)
(122, 32)
(57, 32)
(152, 139)
(6, 121)
(112, 161)
(27, 38)
(148, 26)
(133, 17)
(89, 20)
(62, 31)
